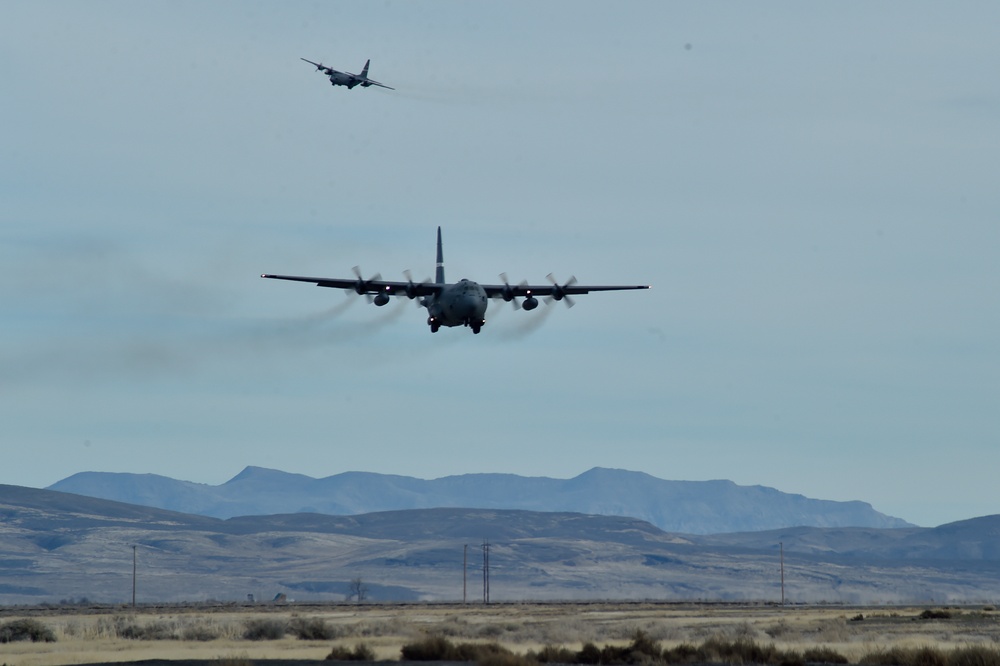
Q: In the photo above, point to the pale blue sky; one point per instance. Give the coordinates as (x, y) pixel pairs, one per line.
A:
(810, 188)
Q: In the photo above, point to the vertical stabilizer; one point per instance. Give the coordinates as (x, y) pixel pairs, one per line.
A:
(439, 267)
(364, 72)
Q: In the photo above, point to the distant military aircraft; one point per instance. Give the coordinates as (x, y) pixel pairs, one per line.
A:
(346, 78)
(462, 303)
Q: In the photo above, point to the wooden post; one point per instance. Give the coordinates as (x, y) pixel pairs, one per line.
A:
(781, 545)
(133, 577)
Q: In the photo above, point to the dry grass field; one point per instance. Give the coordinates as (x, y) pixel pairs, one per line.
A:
(241, 634)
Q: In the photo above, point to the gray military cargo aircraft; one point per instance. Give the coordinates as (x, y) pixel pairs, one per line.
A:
(461, 303)
(346, 78)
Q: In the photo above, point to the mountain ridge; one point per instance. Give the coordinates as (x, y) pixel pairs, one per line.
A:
(693, 507)
(55, 545)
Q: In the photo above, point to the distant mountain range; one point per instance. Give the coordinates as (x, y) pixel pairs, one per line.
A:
(691, 507)
(57, 546)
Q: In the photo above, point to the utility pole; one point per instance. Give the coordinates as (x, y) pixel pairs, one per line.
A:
(133, 576)
(781, 546)
(465, 569)
(486, 571)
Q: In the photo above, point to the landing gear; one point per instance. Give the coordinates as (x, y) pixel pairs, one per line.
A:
(434, 324)
(475, 328)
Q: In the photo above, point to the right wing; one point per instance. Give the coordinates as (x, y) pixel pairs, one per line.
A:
(362, 286)
(369, 82)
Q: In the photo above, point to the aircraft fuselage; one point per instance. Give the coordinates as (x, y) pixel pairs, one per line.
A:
(460, 304)
(342, 79)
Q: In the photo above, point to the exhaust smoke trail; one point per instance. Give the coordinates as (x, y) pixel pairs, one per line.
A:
(526, 324)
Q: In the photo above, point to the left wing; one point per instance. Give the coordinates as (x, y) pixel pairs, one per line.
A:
(368, 82)
(498, 290)
(323, 68)
(555, 290)
(362, 286)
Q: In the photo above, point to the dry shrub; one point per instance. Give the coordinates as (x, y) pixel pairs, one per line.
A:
(490, 631)
(242, 659)
(390, 627)
(643, 646)
(685, 653)
(551, 654)
(935, 615)
(974, 655)
(311, 629)
(431, 648)
(506, 659)
(744, 631)
(439, 648)
(588, 654)
(570, 630)
(130, 628)
(154, 631)
(902, 656)
(741, 651)
(361, 652)
(645, 651)
(454, 626)
(200, 632)
(657, 631)
(71, 629)
(26, 630)
(837, 631)
(265, 630)
(823, 655)
(781, 628)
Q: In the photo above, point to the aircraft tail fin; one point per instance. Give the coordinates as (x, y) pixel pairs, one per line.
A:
(364, 72)
(439, 267)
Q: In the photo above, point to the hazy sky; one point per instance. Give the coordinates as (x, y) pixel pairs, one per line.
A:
(811, 189)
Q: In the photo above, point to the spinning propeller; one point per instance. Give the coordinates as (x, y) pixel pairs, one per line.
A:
(362, 285)
(411, 290)
(508, 294)
(559, 291)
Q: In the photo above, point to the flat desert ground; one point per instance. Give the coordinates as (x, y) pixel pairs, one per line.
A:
(100, 634)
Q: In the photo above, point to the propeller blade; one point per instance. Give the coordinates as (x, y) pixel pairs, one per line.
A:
(508, 293)
(411, 292)
(559, 293)
(362, 285)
